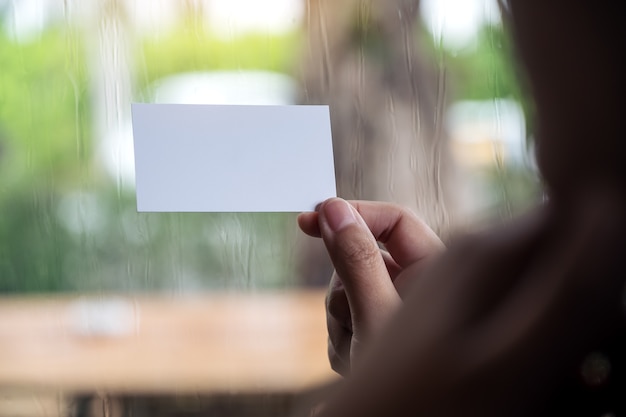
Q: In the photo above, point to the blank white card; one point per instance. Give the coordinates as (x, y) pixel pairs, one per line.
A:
(226, 158)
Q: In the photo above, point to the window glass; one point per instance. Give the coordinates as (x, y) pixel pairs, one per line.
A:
(426, 111)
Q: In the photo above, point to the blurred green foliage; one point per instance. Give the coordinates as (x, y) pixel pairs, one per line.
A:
(489, 70)
(485, 69)
(44, 147)
(44, 114)
(65, 226)
(185, 50)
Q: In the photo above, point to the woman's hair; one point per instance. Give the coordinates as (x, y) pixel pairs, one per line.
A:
(573, 54)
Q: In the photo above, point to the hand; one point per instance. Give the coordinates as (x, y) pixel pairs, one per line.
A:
(500, 322)
(368, 282)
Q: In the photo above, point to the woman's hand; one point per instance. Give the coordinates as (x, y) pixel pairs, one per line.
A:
(368, 282)
(498, 325)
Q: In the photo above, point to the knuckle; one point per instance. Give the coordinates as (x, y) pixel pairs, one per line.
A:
(404, 211)
(359, 252)
(338, 308)
(339, 362)
(338, 365)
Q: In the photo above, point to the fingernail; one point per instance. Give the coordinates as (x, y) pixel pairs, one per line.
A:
(338, 214)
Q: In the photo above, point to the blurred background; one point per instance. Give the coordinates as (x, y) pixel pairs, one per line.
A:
(425, 104)
(426, 111)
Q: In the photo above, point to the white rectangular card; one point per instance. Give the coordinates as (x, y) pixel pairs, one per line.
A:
(227, 158)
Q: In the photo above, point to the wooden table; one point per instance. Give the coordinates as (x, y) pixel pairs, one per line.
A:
(156, 346)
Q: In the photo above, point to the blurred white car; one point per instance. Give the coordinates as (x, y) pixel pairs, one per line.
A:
(224, 87)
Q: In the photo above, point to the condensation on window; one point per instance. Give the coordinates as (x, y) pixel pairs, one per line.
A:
(426, 111)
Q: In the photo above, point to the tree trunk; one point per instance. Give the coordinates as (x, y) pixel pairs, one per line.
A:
(363, 58)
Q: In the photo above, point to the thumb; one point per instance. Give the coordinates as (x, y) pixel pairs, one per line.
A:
(355, 254)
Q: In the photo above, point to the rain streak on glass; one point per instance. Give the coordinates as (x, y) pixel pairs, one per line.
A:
(424, 109)
(425, 112)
